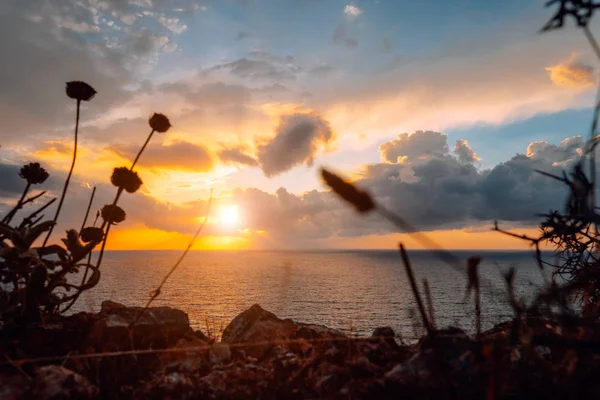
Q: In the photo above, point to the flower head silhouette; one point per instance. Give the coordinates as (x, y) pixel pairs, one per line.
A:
(123, 177)
(90, 233)
(159, 122)
(80, 91)
(33, 173)
(112, 214)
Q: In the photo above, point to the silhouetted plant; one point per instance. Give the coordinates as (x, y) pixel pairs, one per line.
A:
(34, 279)
(34, 174)
(79, 91)
(573, 233)
(33, 286)
(129, 181)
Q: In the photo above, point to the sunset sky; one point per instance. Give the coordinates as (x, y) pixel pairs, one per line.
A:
(441, 109)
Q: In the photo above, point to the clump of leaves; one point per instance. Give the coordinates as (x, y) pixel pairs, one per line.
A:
(34, 279)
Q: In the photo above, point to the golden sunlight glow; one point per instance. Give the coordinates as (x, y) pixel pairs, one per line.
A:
(229, 215)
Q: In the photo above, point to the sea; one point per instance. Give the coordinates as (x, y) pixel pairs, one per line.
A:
(354, 291)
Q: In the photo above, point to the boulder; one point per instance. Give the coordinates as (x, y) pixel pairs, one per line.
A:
(262, 330)
(158, 327)
(56, 382)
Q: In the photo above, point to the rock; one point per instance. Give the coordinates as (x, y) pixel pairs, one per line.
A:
(56, 382)
(220, 352)
(158, 327)
(263, 329)
(384, 332)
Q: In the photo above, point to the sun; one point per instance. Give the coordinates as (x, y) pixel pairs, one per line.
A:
(229, 215)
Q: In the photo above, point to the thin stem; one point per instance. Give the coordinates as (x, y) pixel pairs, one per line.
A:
(20, 203)
(119, 192)
(87, 268)
(101, 255)
(429, 300)
(31, 217)
(87, 212)
(64, 192)
(437, 249)
(478, 311)
(141, 150)
(156, 293)
(414, 288)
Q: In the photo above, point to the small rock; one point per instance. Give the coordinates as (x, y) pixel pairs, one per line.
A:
(54, 381)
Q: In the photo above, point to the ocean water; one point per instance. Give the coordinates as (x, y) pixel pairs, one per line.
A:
(355, 291)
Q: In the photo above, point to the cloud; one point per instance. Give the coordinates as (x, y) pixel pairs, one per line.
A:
(176, 156)
(572, 74)
(109, 44)
(236, 155)
(298, 139)
(464, 152)
(443, 92)
(557, 155)
(421, 144)
(352, 11)
(260, 66)
(444, 192)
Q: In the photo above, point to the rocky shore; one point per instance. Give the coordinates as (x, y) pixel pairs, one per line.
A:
(88, 356)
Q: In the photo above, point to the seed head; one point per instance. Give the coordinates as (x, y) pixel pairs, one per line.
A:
(80, 91)
(360, 200)
(159, 122)
(112, 214)
(91, 233)
(33, 173)
(123, 177)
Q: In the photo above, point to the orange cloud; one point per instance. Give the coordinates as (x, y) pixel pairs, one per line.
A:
(572, 74)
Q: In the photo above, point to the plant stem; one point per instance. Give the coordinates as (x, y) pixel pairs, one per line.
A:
(141, 150)
(478, 311)
(12, 212)
(87, 212)
(415, 289)
(429, 299)
(119, 192)
(87, 268)
(64, 192)
(157, 291)
(30, 218)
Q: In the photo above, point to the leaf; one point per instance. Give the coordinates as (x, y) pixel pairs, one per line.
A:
(76, 248)
(360, 200)
(52, 249)
(31, 234)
